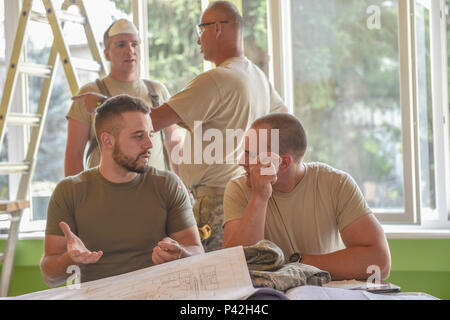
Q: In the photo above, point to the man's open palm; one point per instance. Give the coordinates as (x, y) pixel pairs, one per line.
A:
(76, 248)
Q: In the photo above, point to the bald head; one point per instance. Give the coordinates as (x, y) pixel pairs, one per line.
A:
(225, 11)
(292, 136)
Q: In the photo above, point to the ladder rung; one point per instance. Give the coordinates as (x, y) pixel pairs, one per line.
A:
(38, 70)
(23, 118)
(71, 17)
(6, 168)
(13, 205)
(86, 65)
(64, 16)
(38, 17)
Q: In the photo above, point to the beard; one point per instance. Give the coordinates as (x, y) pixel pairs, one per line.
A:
(129, 163)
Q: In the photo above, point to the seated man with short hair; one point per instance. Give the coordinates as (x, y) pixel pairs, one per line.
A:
(122, 215)
(315, 213)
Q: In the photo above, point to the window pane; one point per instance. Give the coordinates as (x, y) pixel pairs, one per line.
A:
(255, 33)
(447, 17)
(4, 180)
(347, 91)
(425, 111)
(175, 57)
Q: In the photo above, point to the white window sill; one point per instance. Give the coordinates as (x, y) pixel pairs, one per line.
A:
(28, 231)
(37, 235)
(391, 231)
(415, 232)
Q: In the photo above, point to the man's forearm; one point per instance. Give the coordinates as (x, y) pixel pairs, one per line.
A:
(73, 163)
(191, 250)
(54, 268)
(163, 117)
(172, 142)
(251, 226)
(351, 263)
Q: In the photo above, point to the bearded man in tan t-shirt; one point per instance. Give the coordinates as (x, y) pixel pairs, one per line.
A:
(315, 213)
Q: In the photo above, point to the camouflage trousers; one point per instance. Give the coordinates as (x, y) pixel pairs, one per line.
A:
(208, 211)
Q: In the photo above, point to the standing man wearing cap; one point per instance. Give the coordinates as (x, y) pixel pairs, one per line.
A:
(122, 50)
(229, 97)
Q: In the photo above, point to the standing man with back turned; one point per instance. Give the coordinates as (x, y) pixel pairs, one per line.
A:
(122, 50)
(231, 96)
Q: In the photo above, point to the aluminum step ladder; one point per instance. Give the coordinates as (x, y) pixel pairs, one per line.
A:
(58, 52)
(13, 211)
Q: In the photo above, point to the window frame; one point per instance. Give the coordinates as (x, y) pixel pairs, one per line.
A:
(281, 52)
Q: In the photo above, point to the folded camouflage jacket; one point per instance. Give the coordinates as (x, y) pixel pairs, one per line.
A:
(265, 261)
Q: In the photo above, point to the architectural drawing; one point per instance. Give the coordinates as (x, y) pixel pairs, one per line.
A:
(221, 274)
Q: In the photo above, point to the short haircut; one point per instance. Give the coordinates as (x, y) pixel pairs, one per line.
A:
(228, 10)
(292, 135)
(111, 110)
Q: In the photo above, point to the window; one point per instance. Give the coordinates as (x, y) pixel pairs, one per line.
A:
(446, 98)
(254, 14)
(174, 56)
(346, 93)
(367, 109)
(425, 105)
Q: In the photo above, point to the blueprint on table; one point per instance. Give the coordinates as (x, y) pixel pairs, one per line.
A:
(221, 274)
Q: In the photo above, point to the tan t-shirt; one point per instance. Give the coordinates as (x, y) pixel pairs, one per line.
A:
(124, 220)
(136, 89)
(310, 217)
(230, 96)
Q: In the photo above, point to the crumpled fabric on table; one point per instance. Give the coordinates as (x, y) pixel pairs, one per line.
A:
(265, 262)
(265, 255)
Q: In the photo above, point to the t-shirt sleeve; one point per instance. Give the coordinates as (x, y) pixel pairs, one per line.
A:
(61, 208)
(198, 101)
(234, 202)
(350, 203)
(179, 209)
(161, 91)
(78, 110)
(276, 103)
